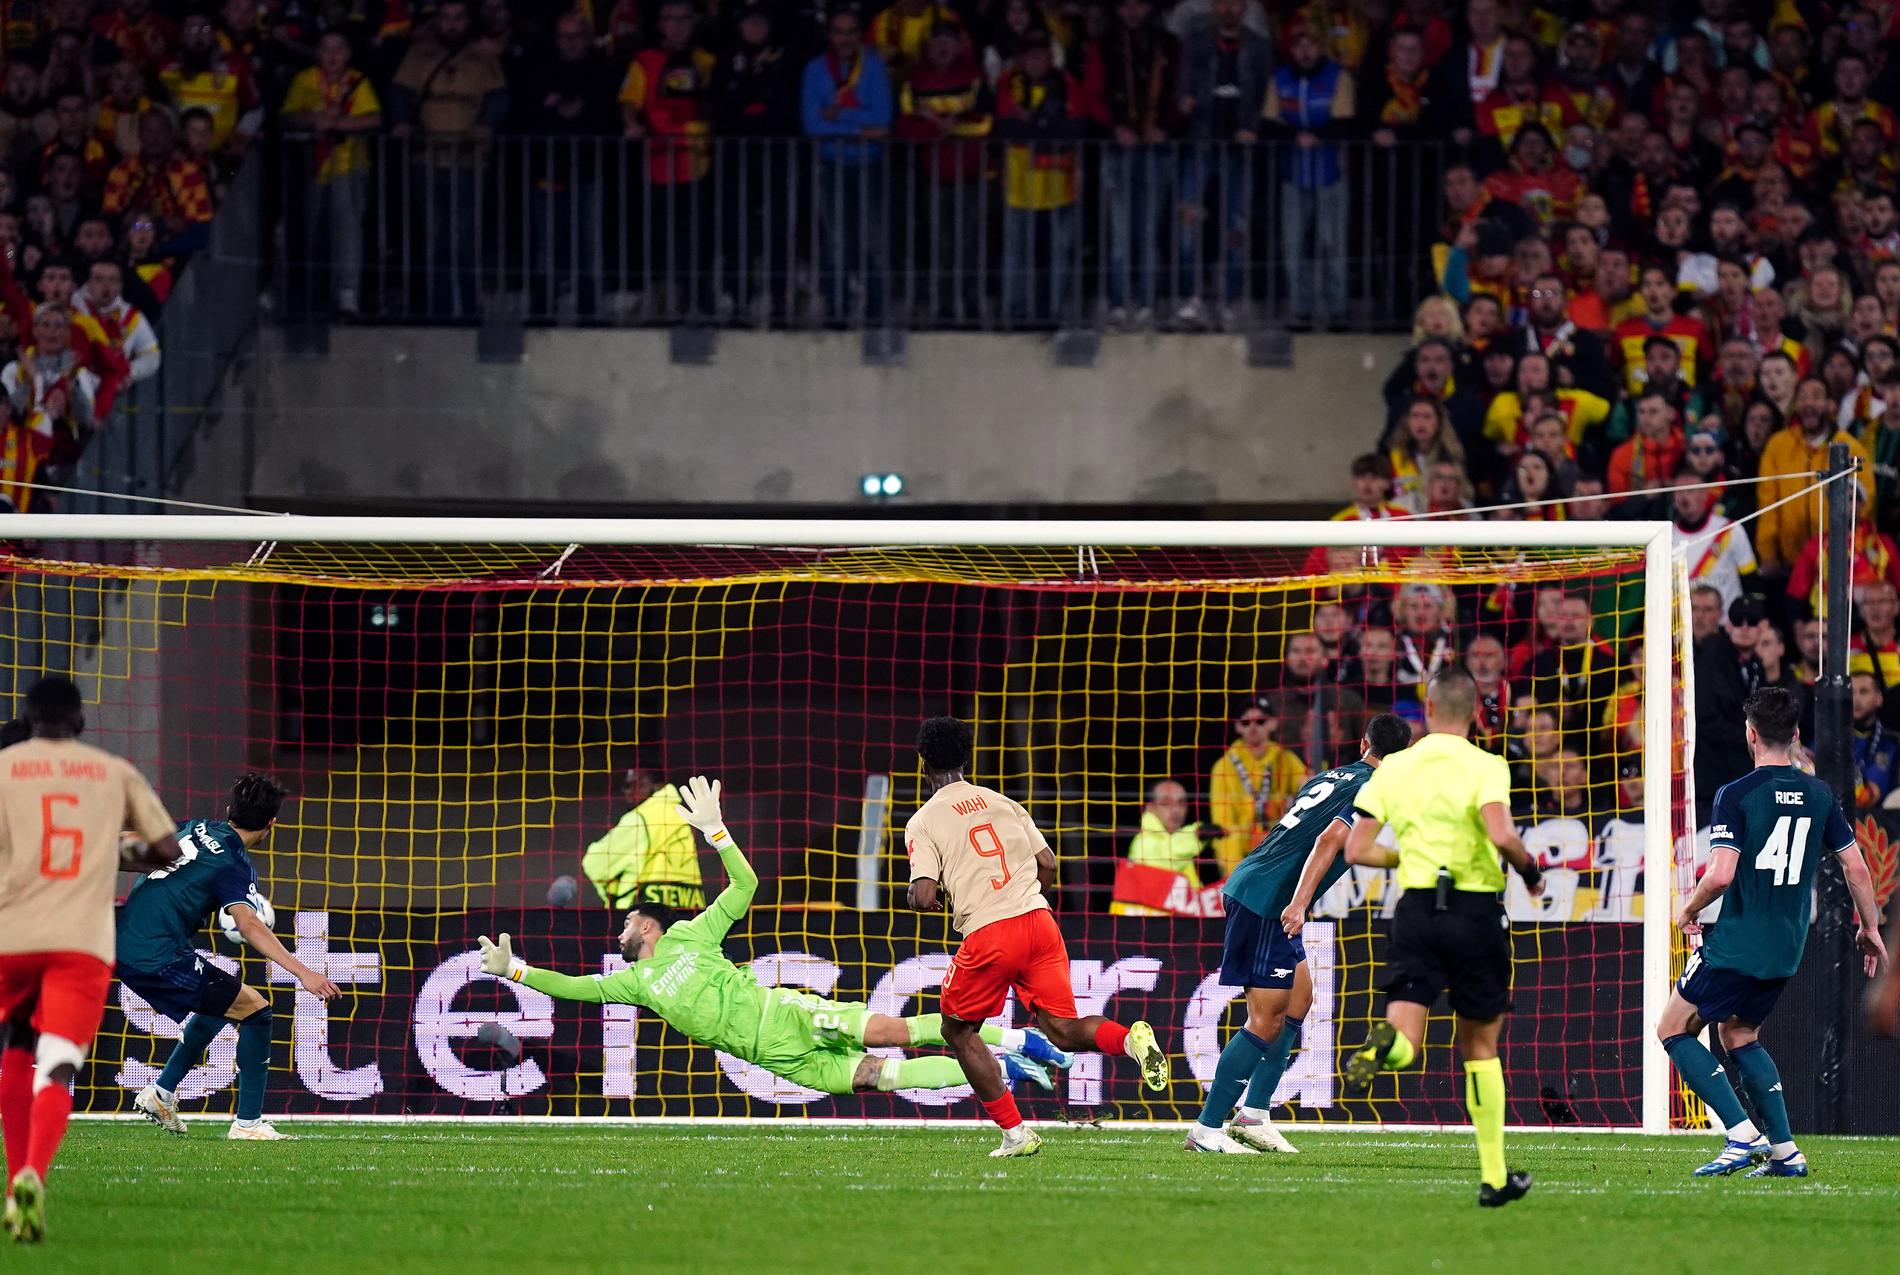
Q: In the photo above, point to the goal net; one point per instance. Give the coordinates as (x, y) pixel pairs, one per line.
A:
(472, 717)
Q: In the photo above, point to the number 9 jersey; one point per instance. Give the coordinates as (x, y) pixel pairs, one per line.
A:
(1780, 822)
(980, 848)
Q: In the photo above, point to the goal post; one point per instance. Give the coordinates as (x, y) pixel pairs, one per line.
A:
(644, 607)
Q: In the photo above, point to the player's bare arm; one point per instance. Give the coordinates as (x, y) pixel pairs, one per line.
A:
(1324, 852)
(1715, 879)
(1502, 829)
(1046, 872)
(1362, 848)
(259, 936)
(923, 896)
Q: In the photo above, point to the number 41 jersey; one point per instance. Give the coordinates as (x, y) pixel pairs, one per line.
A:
(1780, 821)
(1264, 881)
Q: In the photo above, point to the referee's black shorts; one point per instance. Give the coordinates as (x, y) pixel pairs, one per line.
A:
(1466, 948)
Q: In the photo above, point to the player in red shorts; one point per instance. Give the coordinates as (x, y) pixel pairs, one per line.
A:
(63, 805)
(982, 852)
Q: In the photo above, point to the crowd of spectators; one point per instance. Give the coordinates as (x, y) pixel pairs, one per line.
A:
(1668, 282)
(1669, 273)
(120, 126)
(1558, 668)
(1743, 147)
(948, 140)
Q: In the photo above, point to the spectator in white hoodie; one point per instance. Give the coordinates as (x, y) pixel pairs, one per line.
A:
(124, 325)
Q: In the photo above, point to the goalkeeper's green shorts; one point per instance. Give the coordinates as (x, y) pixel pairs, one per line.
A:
(812, 1041)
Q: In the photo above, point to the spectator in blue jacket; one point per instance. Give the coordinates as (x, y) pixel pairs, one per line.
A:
(846, 102)
(1876, 747)
(1223, 91)
(1311, 99)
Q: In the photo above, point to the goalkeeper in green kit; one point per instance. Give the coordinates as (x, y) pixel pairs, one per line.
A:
(676, 969)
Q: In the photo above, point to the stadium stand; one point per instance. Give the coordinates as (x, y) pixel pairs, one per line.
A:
(1636, 254)
(1635, 249)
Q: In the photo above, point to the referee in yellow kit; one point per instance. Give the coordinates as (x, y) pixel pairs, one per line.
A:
(1449, 802)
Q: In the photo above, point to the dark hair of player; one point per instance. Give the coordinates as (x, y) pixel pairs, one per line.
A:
(1453, 693)
(944, 744)
(1773, 713)
(1388, 733)
(255, 801)
(16, 731)
(658, 913)
(54, 708)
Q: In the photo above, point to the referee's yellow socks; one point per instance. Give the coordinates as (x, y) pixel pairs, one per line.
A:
(1401, 1055)
(1484, 1097)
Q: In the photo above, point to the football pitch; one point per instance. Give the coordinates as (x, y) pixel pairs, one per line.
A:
(493, 1198)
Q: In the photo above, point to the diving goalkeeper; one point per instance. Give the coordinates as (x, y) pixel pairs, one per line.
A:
(676, 969)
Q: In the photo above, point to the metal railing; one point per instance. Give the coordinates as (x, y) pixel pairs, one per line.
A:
(982, 234)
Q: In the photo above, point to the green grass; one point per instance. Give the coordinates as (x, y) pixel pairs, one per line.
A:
(573, 1199)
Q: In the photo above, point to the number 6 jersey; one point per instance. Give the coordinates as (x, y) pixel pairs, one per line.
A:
(62, 807)
(1780, 821)
(980, 848)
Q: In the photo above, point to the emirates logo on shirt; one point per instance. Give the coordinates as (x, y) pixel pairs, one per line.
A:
(674, 976)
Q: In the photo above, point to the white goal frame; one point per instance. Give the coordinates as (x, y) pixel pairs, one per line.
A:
(1655, 539)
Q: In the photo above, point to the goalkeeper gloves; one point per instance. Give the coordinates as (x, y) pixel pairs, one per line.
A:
(499, 959)
(699, 806)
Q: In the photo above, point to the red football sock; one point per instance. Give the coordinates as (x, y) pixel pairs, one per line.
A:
(1111, 1038)
(51, 1107)
(16, 1105)
(1003, 1112)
